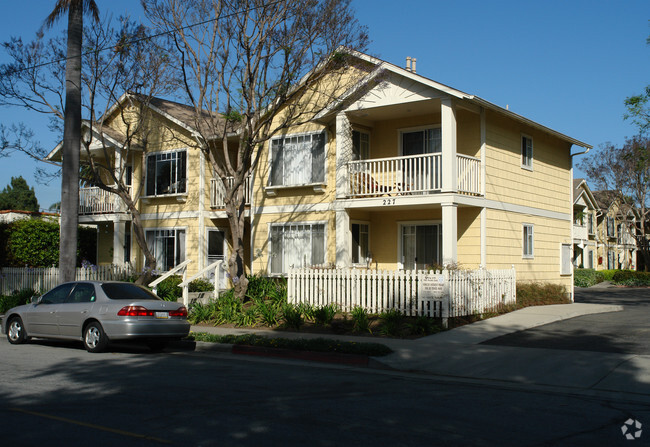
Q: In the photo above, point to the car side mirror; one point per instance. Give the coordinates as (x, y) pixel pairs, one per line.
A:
(36, 299)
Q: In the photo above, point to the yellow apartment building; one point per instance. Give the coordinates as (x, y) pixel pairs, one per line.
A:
(401, 173)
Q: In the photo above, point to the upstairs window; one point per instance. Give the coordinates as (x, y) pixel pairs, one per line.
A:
(298, 160)
(526, 152)
(360, 145)
(590, 223)
(166, 173)
(610, 227)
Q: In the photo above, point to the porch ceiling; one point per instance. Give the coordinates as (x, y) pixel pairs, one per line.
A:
(393, 111)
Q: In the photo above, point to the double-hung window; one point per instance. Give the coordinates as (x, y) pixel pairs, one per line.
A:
(167, 246)
(528, 239)
(296, 246)
(526, 152)
(298, 160)
(166, 173)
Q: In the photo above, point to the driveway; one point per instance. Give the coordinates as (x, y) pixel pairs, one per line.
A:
(626, 332)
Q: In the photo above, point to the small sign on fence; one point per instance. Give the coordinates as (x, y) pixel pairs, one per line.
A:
(432, 287)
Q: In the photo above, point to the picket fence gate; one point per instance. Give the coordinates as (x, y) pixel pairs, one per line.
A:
(43, 279)
(443, 294)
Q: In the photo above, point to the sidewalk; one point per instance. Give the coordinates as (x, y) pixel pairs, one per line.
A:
(458, 353)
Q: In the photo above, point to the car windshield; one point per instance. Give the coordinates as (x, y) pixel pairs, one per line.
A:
(127, 291)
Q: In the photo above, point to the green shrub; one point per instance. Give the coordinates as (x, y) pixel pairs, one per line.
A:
(325, 314)
(263, 288)
(228, 308)
(292, 317)
(15, 299)
(587, 277)
(423, 325)
(200, 285)
(540, 294)
(360, 319)
(248, 316)
(608, 274)
(631, 278)
(168, 289)
(391, 322)
(33, 242)
(269, 312)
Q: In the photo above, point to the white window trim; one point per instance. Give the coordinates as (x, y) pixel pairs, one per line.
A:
(400, 224)
(525, 255)
(180, 196)
(404, 130)
(528, 167)
(360, 222)
(271, 189)
(285, 224)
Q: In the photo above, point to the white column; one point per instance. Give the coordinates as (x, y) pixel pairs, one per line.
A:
(119, 231)
(343, 239)
(449, 233)
(449, 145)
(343, 153)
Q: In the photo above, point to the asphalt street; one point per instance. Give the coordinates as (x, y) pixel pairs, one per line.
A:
(624, 332)
(58, 394)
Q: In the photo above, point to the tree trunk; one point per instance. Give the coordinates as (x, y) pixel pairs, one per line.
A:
(71, 146)
(236, 263)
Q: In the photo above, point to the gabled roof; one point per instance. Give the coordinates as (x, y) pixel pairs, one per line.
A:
(450, 91)
(581, 191)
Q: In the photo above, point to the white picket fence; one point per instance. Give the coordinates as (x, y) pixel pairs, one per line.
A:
(43, 279)
(444, 294)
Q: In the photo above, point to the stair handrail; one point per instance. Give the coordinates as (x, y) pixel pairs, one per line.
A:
(185, 284)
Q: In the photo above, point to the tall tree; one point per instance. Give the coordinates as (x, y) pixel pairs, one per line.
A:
(18, 196)
(71, 129)
(252, 69)
(118, 57)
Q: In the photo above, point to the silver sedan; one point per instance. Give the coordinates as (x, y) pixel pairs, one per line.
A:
(97, 312)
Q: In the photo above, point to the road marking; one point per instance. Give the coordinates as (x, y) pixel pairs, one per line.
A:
(94, 426)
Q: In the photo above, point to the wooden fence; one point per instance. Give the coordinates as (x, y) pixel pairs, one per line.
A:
(448, 293)
(43, 279)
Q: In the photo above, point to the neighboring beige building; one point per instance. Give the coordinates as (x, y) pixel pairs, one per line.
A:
(405, 174)
(616, 247)
(585, 218)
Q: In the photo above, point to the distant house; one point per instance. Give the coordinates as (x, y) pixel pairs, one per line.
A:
(402, 174)
(585, 218)
(8, 216)
(616, 246)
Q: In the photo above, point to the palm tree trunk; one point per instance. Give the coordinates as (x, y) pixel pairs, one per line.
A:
(71, 146)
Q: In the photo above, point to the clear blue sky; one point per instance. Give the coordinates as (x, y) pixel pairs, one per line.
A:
(567, 64)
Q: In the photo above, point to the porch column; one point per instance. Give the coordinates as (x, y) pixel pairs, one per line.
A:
(119, 232)
(449, 233)
(343, 239)
(343, 153)
(449, 145)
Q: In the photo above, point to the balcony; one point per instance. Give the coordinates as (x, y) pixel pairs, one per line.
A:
(218, 192)
(95, 200)
(411, 175)
(580, 232)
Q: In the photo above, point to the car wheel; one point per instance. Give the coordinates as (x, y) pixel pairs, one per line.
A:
(16, 331)
(94, 338)
(157, 345)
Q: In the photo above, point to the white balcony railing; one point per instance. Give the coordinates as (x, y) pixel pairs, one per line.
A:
(218, 192)
(416, 174)
(96, 201)
(580, 232)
